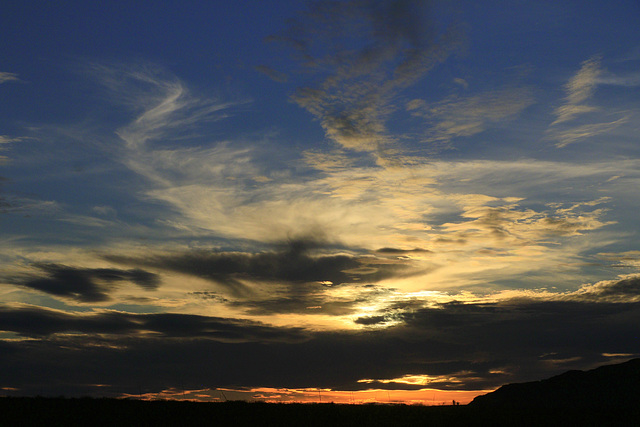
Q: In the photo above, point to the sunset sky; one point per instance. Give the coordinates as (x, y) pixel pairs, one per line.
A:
(350, 201)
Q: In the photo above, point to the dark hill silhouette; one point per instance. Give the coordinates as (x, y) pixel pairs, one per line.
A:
(608, 386)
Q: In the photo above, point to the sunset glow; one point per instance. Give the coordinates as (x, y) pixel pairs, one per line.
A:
(427, 397)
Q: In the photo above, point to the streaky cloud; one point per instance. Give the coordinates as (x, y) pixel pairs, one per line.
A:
(40, 322)
(457, 116)
(8, 77)
(292, 266)
(580, 89)
(577, 133)
(456, 346)
(85, 285)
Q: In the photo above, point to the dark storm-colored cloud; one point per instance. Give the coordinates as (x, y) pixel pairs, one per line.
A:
(312, 298)
(293, 265)
(455, 346)
(520, 328)
(370, 320)
(292, 278)
(39, 322)
(394, 251)
(86, 284)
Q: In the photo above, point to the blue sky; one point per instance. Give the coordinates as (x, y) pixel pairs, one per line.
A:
(322, 179)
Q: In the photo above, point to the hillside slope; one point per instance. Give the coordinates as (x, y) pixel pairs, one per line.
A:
(607, 386)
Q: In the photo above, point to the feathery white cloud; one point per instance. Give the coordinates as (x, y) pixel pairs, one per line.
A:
(580, 89)
(8, 77)
(465, 116)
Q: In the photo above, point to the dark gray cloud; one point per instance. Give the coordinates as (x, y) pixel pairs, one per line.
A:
(371, 320)
(86, 284)
(39, 322)
(457, 345)
(292, 265)
(290, 279)
(312, 298)
(396, 251)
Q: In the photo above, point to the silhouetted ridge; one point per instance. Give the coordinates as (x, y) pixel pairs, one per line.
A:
(607, 386)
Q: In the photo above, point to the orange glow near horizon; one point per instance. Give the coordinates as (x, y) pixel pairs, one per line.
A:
(427, 396)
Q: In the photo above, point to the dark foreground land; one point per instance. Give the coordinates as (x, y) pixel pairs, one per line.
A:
(16, 411)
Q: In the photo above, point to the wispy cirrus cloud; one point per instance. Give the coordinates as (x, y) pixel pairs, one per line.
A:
(8, 77)
(489, 212)
(577, 133)
(458, 116)
(624, 80)
(5, 140)
(165, 108)
(580, 89)
(366, 206)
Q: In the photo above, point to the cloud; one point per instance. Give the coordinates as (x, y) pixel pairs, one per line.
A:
(580, 89)
(363, 54)
(8, 77)
(401, 251)
(274, 75)
(302, 273)
(421, 205)
(625, 290)
(168, 109)
(511, 221)
(475, 217)
(15, 204)
(4, 139)
(40, 322)
(622, 259)
(626, 80)
(577, 133)
(227, 189)
(458, 116)
(86, 285)
(451, 346)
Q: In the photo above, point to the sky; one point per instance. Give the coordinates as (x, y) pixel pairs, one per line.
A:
(351, 201)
